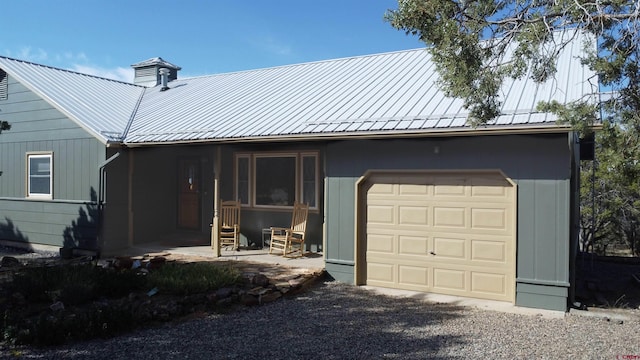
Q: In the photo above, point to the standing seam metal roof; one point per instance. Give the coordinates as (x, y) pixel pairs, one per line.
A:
(102, 106)
(393, 92)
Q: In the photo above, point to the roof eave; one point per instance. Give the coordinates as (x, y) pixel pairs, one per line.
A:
(493, 130)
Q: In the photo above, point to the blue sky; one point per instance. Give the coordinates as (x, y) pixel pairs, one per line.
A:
(104, 37)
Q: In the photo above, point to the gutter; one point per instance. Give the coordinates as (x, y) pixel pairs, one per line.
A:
(553, 129)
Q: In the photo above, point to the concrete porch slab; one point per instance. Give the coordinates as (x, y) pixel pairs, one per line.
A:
(309, 261)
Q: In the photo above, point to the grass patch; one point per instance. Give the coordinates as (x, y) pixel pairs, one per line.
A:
(193, 278)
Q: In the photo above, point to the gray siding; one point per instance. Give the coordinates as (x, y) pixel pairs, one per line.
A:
(71, 217)
(540, 165)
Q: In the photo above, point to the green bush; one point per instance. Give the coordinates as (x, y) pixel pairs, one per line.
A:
(193, 278)
(76, 286)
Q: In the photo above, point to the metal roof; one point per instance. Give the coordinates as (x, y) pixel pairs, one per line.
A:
(103, 107)
(377, 94)
(382, 94)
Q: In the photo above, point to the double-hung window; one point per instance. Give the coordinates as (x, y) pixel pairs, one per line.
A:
(40, 175)
(276, 179)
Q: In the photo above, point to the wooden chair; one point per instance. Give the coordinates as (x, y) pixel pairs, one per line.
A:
(229, 230)
(290, 241)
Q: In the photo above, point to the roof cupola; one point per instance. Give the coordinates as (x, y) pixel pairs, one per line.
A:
(147, 73)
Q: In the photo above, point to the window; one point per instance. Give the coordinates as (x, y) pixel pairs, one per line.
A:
(277, 180)
(39, 177)
(242, 176)
(4, 85)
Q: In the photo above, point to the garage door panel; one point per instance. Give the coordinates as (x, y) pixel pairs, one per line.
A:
(495, 284)
(381, 243)
(414, 275)
(413, 245)
(450, 234)
(449, 247)
(381, 189)
(413, 215)
(381, 214)
(494, 219)
(449, 217)
(381, 272)
(414, 189)
(449, 279)
(493, 251)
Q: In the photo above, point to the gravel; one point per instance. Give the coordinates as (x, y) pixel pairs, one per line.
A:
(336, 321)
(27, 255)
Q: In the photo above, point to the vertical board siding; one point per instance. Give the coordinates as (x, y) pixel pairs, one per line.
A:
(540, 165)
(38, 126)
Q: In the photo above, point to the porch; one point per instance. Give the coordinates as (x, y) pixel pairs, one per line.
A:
(311, 260)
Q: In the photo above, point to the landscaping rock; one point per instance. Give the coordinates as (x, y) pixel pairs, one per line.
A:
(224, 293)
(57, 306)
(249, 300)
(260, 280)
(270, 297)
(156, 262)
(123, 263)
(9, 261)
(297, 282)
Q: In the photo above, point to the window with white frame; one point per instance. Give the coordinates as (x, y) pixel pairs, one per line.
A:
(40, 175)
(276, 179)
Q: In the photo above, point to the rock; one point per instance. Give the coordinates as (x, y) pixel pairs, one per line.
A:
(297, 282)
(9, 261)
(249, 300)
(260, 280)
(272, 296)
(57, 306)
(224, 293)
(225, 302)
(105, 264)
(156, 262)
(123, 263)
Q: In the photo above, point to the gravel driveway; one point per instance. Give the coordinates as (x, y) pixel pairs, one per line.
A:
(337, 321)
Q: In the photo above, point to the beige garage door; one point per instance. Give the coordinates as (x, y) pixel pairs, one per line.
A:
(447, 233)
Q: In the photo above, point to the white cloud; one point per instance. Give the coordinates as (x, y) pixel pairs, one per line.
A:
(274, 46)
(77, 61)
(118, 73)
(29, 54)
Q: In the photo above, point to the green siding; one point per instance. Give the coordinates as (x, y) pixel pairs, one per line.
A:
(341, 215)
(539, 164)
(72, 214)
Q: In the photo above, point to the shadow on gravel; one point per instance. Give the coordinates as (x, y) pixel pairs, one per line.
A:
(329, 321)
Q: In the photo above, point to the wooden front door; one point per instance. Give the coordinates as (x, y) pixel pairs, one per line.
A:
(189, 193)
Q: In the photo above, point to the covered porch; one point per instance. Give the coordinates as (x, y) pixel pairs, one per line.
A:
(311, 260)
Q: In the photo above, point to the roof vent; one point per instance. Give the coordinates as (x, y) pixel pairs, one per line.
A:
(164, 78)
(147, 73)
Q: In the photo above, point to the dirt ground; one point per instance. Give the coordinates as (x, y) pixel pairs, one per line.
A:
(608, 282)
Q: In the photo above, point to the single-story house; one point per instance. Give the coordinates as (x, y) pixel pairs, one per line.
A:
(402, 192)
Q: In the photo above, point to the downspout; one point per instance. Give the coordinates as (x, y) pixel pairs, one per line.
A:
(101, 193)
(215, 243)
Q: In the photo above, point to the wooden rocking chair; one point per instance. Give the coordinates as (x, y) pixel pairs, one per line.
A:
(290, 241)
(229, 230)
